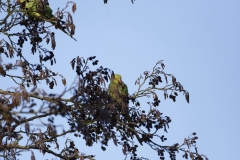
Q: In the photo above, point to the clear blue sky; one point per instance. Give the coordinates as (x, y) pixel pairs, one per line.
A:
(199, 41)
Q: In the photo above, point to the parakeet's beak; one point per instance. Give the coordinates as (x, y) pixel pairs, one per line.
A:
(120, 81)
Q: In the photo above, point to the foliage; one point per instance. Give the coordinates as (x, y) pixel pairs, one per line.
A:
(90, 112)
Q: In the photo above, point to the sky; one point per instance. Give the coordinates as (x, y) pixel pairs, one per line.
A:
(199, 42)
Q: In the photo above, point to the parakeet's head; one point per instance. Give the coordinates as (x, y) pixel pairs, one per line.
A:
(117, 79)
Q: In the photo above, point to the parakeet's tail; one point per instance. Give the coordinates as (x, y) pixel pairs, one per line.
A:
(54, 21)
(66, 33)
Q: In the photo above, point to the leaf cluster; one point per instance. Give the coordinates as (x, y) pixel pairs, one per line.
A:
(28, 112)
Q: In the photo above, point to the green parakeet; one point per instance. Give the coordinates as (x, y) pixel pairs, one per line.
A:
(40, 10)
(36, 8)
(118, 91)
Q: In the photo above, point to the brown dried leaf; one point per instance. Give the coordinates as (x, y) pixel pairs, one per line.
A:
(186, 155)
(79, 63)
(34, 81)
(166, 79)
(155, 97)
(64, 81)
(72, 30)
(191, 155)
(173, 80)
(188, 144)
(143, 117)
(102, 80)
(146, 73)
(114, 139)
(32, 156)
(51, 85)
(165, 129)
(43, 74)
(162, 64)
(165, 94)
(47, 81)
(70, 18)
(53, 41)
(180, 87)
(2, 71)
(187, 96)
(74, 7)
(47, 40)
(73, 63)
(124, 151)
(55, 81)
(10, 50)
(47, 72)
(25, 95)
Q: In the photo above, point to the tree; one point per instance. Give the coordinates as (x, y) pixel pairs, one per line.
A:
(90, 112)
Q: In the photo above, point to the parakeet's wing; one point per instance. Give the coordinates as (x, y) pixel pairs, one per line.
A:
(124, 89)
(117, 90)
(112, 90)
(48, 12)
